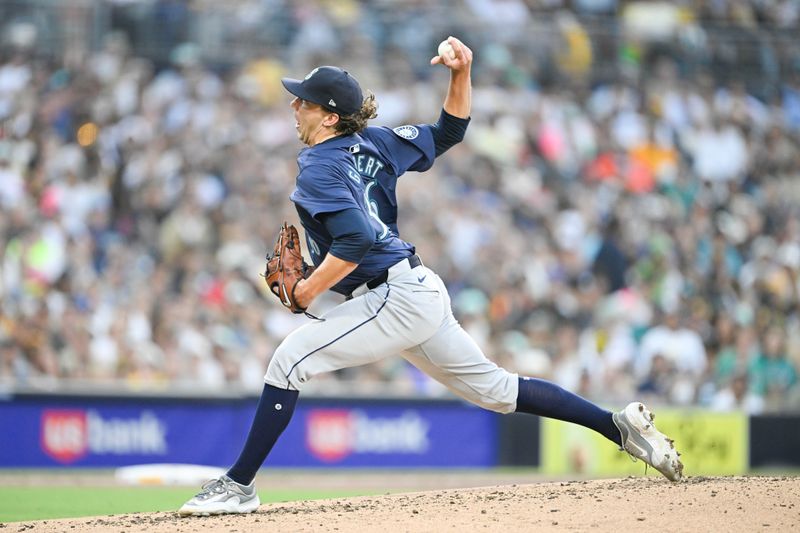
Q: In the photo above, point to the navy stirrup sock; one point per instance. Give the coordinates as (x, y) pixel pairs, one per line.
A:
(543, 398)
(273, 413)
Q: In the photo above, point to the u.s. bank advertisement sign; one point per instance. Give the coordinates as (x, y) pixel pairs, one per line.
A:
(332, 435)
(388, 435)
(94, 433)
(68, 435)
(103, 433)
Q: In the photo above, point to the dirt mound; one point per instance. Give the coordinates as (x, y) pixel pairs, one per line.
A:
(699, 504)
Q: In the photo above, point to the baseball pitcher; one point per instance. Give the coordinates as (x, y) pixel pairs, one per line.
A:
(345, 200)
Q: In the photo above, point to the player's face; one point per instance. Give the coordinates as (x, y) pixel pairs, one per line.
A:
(309, 118)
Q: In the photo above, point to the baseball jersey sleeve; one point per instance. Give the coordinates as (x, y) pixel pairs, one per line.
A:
(322, 189)
(405, 147)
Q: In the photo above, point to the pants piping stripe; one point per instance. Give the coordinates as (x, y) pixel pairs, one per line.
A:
(343, 335)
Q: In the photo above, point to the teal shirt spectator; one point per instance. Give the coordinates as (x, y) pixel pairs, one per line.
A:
(726, 365)
(769, 375)
(771, 372)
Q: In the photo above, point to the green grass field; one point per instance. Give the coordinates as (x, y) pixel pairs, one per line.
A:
(40, 503)
(42, 494)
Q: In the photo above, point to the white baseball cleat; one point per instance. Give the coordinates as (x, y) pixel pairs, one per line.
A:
(222, 496)
(642, 440)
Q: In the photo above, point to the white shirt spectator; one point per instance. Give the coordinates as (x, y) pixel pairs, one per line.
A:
(682, 347)
(14, 78)
(12, 187)
(104, 356)
(736, 397)
(720, 154)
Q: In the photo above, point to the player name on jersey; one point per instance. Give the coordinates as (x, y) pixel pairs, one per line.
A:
(367, 165)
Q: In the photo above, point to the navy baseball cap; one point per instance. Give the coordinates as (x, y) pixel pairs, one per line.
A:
(331, 87)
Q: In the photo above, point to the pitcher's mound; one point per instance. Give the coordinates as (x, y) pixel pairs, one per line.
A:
(634, 504)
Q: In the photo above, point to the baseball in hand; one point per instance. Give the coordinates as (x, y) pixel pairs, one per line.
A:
(446, 50)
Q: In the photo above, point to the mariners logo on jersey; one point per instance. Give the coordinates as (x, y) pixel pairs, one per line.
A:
(407, 132)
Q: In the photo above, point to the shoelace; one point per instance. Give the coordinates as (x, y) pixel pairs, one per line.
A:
(212, 486)
(632, 457)
(623, 440)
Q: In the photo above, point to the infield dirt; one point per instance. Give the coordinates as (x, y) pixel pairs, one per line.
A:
(700, 504)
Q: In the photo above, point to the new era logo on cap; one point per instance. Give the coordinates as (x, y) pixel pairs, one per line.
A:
(330, 87)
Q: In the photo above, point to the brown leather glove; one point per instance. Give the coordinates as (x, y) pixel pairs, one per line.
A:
(286, 267)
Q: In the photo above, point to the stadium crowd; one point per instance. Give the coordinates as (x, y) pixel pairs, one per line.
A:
(625, 225)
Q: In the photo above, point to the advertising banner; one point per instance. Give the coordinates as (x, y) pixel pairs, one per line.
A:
(92, 432)
(710, 444)
(97, 434)
(389, 435)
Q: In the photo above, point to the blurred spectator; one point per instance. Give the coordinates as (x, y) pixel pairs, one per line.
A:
(736, 396)
(610, 263)
(680, 347)
(772, 375)
(734, 355)
(622, 157)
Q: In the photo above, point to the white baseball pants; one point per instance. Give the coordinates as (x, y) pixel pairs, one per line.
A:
(409, 315)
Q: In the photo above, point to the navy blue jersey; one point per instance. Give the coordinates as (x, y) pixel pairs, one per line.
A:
(384, 154)
(329, 181)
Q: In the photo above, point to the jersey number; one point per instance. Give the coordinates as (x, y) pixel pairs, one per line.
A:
(372, 207)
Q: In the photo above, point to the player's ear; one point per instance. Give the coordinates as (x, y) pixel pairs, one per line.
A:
(331, 120)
